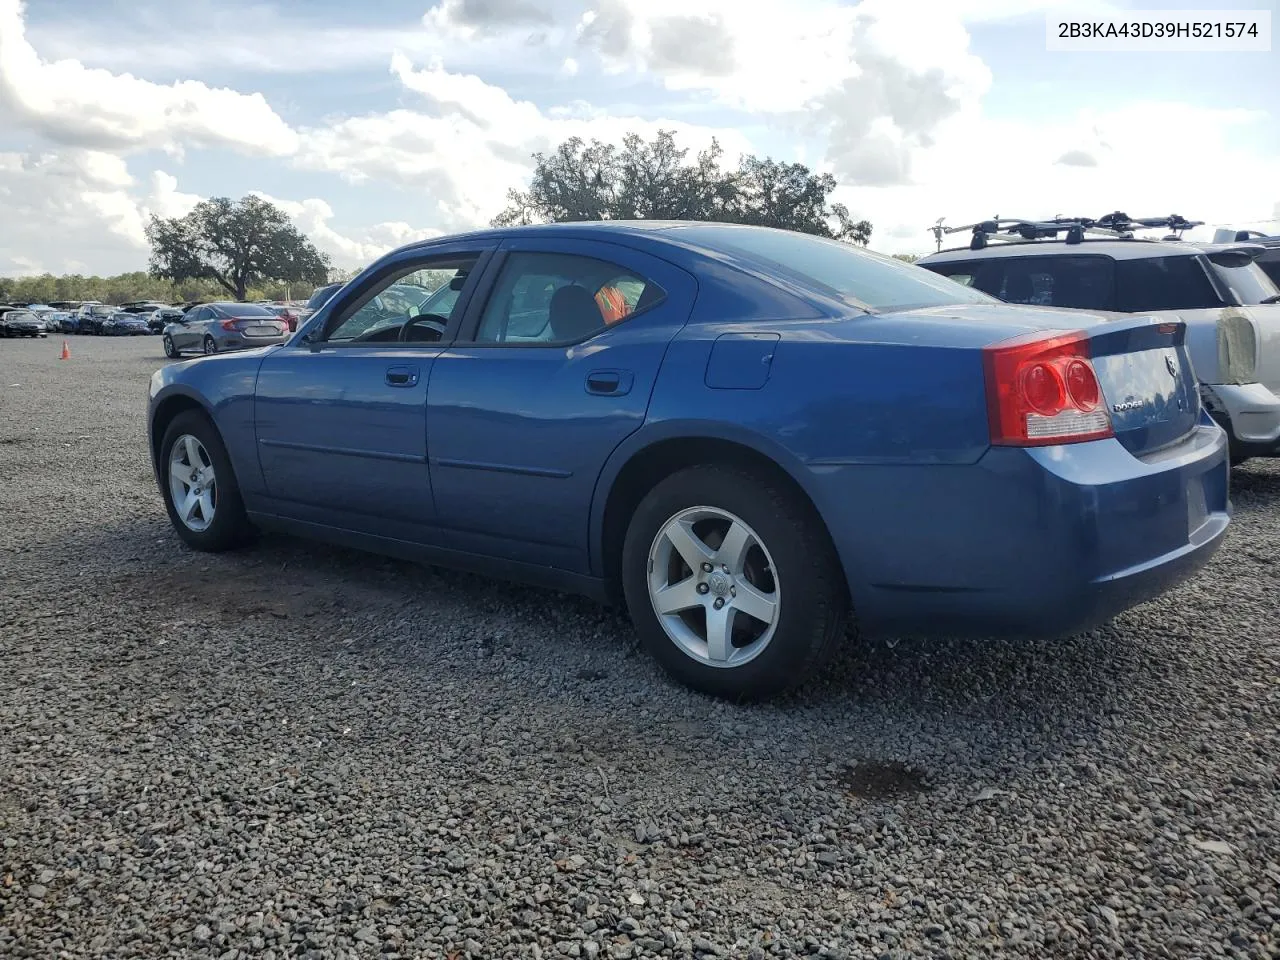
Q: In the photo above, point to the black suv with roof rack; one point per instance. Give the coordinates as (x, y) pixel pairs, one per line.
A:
(1231, 308)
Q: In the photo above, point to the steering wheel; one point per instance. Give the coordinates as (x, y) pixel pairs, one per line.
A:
(433, 326)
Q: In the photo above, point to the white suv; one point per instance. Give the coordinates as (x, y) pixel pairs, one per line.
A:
(1230, 306)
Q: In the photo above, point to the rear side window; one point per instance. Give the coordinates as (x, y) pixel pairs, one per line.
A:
(1164, 283)
(556, 298)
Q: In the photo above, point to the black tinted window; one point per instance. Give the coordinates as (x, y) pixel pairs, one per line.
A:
(1163, 283)
(1269, 263)
(1077, 282)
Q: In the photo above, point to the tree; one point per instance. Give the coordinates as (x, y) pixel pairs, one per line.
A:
(908, 257)
(651, 181)
(236, 245)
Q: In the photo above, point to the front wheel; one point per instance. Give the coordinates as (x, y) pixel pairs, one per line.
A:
(732, 583)
(199, 486)
(170, 350)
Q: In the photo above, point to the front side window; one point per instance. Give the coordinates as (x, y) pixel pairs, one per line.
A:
(415, 304)
(555, 298)
(1164, 283)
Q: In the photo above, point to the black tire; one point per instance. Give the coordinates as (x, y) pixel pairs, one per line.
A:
(210, 345)
(812, 613)
(230, 527)
(170, 350)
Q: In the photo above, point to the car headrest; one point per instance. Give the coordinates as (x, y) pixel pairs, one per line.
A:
(573, 313)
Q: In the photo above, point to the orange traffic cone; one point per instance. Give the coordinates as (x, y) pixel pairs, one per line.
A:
(66, 351)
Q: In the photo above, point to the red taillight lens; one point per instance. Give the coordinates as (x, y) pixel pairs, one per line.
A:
(1042, 389)
(229, 325)
(1082, 385)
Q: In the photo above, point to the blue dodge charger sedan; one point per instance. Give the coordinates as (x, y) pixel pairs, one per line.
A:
(747, 436)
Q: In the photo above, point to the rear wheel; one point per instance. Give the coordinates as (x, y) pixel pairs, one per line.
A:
(732, 583)
(210, 345)
(199, 485)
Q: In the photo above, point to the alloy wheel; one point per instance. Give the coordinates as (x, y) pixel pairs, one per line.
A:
(714, 587)
(193, 484)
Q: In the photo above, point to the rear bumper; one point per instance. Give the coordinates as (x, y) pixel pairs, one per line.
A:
(1250, 412)
(237, 342)
(1042, 542)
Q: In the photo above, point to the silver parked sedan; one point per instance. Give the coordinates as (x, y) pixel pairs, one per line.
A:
(212, 327)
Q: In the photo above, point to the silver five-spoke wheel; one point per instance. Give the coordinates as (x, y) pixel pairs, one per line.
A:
(713, 587)
(192, 483)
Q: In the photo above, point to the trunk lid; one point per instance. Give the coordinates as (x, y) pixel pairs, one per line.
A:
(1147, 381)
(1144, 370)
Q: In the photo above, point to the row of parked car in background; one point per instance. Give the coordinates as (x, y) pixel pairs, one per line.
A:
(144, 317)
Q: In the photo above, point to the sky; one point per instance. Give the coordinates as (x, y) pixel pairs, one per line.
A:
(376, 124)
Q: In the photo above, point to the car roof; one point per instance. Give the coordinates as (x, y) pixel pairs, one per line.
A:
(665, 231)
(1136, 249)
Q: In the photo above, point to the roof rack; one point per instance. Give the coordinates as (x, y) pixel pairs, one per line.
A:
(1117, 226)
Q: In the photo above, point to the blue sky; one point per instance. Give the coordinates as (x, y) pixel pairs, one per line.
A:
(374, 124)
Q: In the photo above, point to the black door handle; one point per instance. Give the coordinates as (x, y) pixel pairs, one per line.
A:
(609, 383)
(402, 376)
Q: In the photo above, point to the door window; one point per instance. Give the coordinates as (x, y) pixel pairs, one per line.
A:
(415, 304)
(558, 298)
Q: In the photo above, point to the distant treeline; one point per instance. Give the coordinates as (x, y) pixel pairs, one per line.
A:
(127, 287)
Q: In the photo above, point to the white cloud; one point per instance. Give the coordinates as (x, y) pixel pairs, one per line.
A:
(69, 103)
(963, 177)
(358, 250)
(472, 142)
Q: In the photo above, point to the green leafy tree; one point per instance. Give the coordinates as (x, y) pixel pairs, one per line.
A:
(652, 181)
(908, 257)
(236, 245)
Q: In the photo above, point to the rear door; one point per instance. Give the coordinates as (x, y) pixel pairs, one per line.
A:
(524, 409)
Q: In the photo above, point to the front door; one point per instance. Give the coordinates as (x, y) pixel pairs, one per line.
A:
(552, 371)
(341, 411)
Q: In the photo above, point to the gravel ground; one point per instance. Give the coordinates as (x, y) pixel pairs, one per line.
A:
(304, 751)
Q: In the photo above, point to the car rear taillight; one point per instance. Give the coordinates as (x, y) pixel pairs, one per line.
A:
(230, 324)
(1042, 389)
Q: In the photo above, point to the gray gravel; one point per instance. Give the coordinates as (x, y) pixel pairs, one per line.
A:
(302, 751)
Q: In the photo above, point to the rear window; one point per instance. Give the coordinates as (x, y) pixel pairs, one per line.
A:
(1164, 283)
(1249, 284)
(838, 269)
(245, 310)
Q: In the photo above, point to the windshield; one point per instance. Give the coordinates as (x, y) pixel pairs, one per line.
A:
(19, 315)
(102, 311)
(868, 280)
(1249, 283)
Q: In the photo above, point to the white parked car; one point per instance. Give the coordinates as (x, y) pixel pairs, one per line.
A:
(1230, 306)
